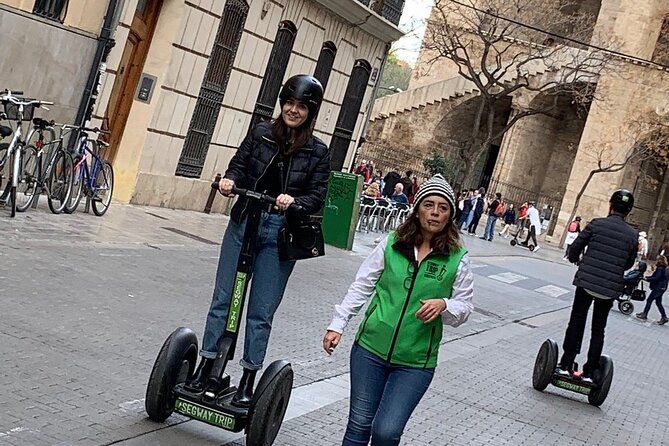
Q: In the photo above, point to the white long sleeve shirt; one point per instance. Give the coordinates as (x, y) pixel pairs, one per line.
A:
(458, 307)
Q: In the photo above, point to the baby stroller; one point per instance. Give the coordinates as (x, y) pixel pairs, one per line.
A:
(631, 291)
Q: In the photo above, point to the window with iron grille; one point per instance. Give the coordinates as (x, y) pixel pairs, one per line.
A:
(210, 99)
(348, 115)
(325, 63)
(276, 69)
(51, 9)
(392, 10)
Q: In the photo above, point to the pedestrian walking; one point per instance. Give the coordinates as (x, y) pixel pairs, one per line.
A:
(283, 159)
(478, 203)
(572, 232)
(418, 278)
(611, 250)
(509, 219)
(658, 285)
(496, 209)
(642, 253)
(466, 209)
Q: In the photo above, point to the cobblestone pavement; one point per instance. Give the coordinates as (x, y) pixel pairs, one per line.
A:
(87, 303)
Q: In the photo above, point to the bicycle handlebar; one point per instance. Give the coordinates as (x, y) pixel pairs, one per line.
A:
(257, 196)
(12, 92)
(85, 129)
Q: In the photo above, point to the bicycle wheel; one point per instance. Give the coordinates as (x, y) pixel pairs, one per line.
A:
(78, 184)
(103, 189)
(26, 190)
(59, 183)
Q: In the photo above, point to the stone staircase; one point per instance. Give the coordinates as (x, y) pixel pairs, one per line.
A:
(448, 89)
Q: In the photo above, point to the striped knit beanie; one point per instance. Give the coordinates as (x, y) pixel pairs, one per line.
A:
(436, 185)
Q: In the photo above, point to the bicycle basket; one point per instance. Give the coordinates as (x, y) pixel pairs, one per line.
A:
(12, 111)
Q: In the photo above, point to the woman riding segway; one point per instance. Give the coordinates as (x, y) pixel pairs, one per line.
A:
(283, 159)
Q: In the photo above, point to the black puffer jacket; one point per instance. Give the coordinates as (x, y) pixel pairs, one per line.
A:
(611, 250)
(308, 169)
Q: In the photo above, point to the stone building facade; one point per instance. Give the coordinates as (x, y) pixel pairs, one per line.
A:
(548, 158)
(187, 78)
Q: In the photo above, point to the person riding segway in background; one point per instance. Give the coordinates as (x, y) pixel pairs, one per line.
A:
(611, 250)
(282, 159)
(534, 225)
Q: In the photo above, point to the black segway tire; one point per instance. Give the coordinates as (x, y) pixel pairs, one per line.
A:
(545, 364)
(269, 404)
(174, 365)
(530, 247)
(626, 307)
(599, 393)
(513, 242)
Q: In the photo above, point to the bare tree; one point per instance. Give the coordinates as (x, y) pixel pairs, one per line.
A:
(505, 48)
(649, 137)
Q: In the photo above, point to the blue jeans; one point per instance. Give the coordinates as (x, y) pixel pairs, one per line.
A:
(468, 220)
(270, 276)
(655, 295)
(490, 227)
(383, 397)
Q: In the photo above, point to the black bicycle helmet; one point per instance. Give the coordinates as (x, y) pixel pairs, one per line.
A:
(622, 201)
(306, 89)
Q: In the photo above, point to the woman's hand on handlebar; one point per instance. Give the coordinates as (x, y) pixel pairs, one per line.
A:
(225, 186)
(330, 341)
(284, 201)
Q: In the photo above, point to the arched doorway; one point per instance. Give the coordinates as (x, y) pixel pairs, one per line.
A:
(455, 132)
(129, 71)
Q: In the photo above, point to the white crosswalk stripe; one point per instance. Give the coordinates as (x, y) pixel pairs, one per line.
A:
(507, 277)
(551, 290)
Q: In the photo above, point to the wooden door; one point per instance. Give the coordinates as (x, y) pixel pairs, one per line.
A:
(129, 71)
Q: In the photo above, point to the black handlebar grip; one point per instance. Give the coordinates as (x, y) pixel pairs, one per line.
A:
(16, 92)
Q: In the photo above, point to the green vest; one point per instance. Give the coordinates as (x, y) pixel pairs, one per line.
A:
(390, 328)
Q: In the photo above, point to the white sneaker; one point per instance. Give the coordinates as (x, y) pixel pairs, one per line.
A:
(536, 248)
(586, 380)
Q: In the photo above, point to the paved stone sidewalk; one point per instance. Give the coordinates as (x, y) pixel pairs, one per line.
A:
(87, 302)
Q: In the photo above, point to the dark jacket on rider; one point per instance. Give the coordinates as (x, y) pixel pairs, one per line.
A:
(611, 250)
(307, 172)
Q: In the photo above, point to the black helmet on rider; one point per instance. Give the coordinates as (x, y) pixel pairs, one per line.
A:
(622, 201)
(306, 89)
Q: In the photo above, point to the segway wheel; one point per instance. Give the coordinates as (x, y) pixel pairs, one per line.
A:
(531, 247)
(626, 307)
(174, 365)
(599, 394)
(544, 365)
(513, 242)
(269, 406)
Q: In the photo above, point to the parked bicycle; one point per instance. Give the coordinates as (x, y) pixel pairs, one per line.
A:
(47, 168)
(13, 163)
(96, 181)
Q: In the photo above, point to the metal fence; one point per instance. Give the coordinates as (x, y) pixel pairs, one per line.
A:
(547, 205)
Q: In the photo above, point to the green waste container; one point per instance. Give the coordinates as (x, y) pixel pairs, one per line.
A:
(342, 205)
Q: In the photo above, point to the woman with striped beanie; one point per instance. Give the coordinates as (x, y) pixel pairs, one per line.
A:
(418, 278)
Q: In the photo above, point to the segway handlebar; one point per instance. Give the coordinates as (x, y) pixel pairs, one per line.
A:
(257, 196)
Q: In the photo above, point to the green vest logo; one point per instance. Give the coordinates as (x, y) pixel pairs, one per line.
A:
(432, 271)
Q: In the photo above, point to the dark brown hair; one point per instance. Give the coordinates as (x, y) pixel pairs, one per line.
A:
(447, 240)
(661, 261)
(290, 140)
